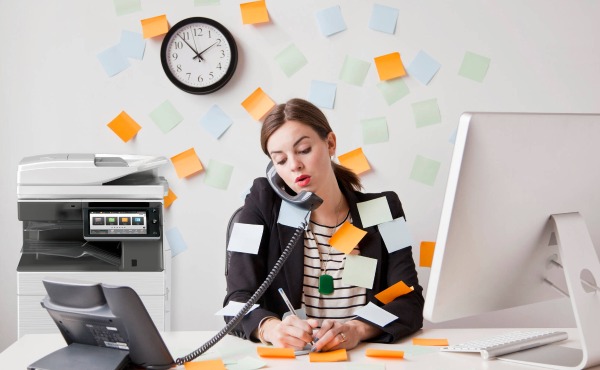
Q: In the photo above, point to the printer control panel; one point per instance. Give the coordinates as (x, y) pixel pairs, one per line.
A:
(118, 222)
(128, 220)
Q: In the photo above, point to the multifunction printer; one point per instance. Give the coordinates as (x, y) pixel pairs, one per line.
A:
(92, 218)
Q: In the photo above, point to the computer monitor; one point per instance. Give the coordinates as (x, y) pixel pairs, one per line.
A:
(520, 192)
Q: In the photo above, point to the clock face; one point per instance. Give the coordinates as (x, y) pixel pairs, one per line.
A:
(199, 55)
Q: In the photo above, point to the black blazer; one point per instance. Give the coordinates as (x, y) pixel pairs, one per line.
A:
(248, 271)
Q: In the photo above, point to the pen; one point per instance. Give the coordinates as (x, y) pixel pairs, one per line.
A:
(289, 305)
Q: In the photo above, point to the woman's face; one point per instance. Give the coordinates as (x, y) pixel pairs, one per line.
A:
(301, 157)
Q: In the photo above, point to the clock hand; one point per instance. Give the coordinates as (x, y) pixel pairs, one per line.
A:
(197, 54)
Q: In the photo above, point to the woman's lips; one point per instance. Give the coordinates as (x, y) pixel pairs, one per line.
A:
(303, 180)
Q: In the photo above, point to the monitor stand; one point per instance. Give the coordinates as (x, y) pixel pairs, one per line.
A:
(582, 271)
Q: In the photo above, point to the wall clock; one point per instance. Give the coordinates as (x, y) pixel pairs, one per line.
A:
(199, 55)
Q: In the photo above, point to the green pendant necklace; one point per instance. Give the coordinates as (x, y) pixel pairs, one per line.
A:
(326, 280)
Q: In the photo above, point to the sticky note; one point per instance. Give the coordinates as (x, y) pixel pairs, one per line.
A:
(113, 61)
(346, 237)
(215, 121)
(355, 160)
(206, 2)
(426, 113)
(292, 215)
(359, 271)
(290, 60)
(155, 26)
(176, 241)
(331, 356)
(393, 292)
(247, 363)
(258, 104)
(132, 45)
(354, 71)
(186, 163)
(430, 342)
(396, 234)
(170, 198)
(389, 66)
(233, 308)
(383, 353)
(412, 350)
(124, 126)
(166, 117)
(425, 170)
(393, 90)
(423, 67)
(474, 66)
(322, 94)
(254, 12)
(123, 7)
(330, 20)
(374, 130)
(275, 352)
(374, 212)
(245, 238)
(216, 364)
(375, 314)
(218, 174)
(426, 254)
(383, 19)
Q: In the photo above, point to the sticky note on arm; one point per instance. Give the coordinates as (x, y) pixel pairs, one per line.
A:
(393, 292)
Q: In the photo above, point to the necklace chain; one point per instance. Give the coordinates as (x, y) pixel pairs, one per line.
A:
(325, 261)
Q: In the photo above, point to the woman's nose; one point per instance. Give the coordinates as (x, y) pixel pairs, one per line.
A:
(295, 164)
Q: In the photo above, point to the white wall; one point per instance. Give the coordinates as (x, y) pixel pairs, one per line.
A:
(55, 97)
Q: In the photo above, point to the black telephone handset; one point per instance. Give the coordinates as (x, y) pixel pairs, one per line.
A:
(305, 199)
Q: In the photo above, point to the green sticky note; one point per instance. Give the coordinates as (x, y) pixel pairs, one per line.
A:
(426, 113)
(354, 71)
(218, 174)
(359, 271)
(166, 116)
(374, 130)
(374, 212)
(123, 7)
(425, 170)
(206, 2)
(474, 66)
(393, 90)
(290, 60)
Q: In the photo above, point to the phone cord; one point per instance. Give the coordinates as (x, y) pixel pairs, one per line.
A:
(259, 292)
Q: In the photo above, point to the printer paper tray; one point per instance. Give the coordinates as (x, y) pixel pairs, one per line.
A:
(71, 249)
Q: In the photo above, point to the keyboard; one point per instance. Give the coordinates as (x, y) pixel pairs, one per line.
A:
(514, 341)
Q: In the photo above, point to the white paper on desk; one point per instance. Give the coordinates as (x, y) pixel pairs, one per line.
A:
(247, 363)
(395, 234)
(245, 238)
(290, 215)
(233, 308)
(375, 314)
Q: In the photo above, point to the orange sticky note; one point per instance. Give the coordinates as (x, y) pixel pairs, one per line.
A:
(258, 104)
(426, 255)
(346, 237)
(332, 356)
(391, 293)
(187, 163)
(383, 353)
(274, 352)
(389, 66)
(205, 365)
(355, 160)
(429, 342)
(155, 26)
(124, 126)
(170, 198)
(254, 12)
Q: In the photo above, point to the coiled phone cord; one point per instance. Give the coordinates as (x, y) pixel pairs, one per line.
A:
(255, 297)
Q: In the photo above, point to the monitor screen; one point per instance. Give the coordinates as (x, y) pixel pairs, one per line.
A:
(509, 173)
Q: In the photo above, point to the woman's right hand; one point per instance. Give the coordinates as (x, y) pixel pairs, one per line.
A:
(292, 332)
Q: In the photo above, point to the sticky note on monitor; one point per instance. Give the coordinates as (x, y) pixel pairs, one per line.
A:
(474, 66)
(245, 238)
(355, 160)
(426, 254)
(374, 212)
(346, 237)
(396, 234)
(359, 271)
(215, 122)
(124, 126)
(254, 12)
(155, 26)
(170, 198)
(290, 60)
(375, 314)
(389, 66)
(330, 20)
(166, 117)
(218, 174)
(393, 292)
(258, 104)
(186, 163)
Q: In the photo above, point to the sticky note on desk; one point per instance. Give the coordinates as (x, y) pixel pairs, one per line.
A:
(374, 212)
(247, 363)
(155, 26)
(124, 126)
(362, 366)
(216, 364)
(375, 314)
(393, 292)
(331, 356)
(254, 12)
(430, 342)
(258, 104)
(389, 66)
(186, 163)
(330, 20)
(359, 271)
(275, 352)
(245, 238)
(346, 237)
(383, 353)
(355, 160)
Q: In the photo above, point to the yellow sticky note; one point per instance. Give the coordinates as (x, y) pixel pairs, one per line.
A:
(258, 104)
(346, 237)
(355, 160)
(383, 353)
(187, 163)
(332, 356)
(205, 365)
(170, 198)
(254, 12)
(274, 352)
(391, 293)
(389, 66)
(426, 255)
(155, 26)
(430, 342)
(124, 126)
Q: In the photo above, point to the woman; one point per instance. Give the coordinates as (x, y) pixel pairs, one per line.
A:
(298, 139)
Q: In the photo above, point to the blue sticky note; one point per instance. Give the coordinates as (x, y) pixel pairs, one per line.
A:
(383, 19)
(132, 44)
(215, 121)
(322, 94)
(113, 61)
(176, 241)
(396, 234)
(331, 21)
(423, 67)
(290, 215)
(452, 138)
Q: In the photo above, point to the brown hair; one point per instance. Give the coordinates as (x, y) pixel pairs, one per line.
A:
(305, 112)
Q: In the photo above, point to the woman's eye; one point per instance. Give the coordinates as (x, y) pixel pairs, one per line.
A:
(305, 151)
(280, 162)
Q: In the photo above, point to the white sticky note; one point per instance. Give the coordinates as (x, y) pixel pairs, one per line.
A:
(245, 238)
(247, 363)
(396, 234)
(375, 314)
(359, 271)
(176, 241)
(374, 212)
(233, 308)
(331, 20)
(215, 121)
(290, 215)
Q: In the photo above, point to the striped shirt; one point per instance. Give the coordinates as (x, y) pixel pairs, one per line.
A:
(321, 258)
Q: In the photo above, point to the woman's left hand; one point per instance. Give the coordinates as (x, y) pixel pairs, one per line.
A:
(335, 335)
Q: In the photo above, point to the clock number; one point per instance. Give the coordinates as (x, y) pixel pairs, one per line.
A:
(218, 42)
(211, 75)
(188, 75)
(198, 32)
(174, 56)
(209, 35)
(219, 66)
(179, 68)
(200, 79)
(222, 53)
(178, 44)
(186, 35)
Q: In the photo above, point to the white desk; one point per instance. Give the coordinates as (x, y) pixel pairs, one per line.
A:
(34, 346)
